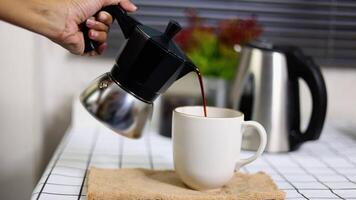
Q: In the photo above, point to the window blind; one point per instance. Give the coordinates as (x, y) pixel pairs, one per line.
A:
(324, 29)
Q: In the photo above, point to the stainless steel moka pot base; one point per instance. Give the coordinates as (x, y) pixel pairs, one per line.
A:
(118, 109)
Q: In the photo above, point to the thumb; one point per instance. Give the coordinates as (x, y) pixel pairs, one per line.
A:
(125, 4)
(78, 47)
(73, 43)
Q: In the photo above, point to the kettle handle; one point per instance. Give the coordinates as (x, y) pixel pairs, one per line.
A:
(304, 67)
(126, 23)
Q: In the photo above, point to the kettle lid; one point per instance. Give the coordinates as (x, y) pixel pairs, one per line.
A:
(263, 45)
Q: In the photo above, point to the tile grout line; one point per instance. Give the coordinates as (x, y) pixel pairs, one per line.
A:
(282, 175)
(65, 175)
(62, 184)
(93, 145)
(120, 150)
(71, 195)
(295, 161)
(67, 140)
(329, 167)
(337, 150)
(149, 150)
(343, 156)
(344, 189)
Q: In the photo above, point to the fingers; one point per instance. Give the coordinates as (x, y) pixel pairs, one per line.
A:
(98, 36)
(98, 31)
(125, 4)
(92, 53)
(105, 18)
(101, 24)
(99, 51)
(128, 5)
(101, 48)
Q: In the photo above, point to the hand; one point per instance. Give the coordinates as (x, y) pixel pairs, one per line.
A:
(79, 11)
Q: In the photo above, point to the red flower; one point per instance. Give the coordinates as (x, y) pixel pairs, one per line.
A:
(229, 32)
(183, 38)
(238, 31)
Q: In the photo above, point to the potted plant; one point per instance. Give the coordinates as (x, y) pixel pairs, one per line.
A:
(214, 50)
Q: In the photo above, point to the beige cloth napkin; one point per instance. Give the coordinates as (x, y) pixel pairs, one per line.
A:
(144, 184)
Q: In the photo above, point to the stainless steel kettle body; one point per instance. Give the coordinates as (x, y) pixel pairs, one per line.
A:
(266, 90)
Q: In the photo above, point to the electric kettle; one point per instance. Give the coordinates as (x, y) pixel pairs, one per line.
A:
(149, 63)
(266, 90)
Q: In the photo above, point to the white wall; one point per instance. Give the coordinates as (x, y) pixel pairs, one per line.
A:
(20, 130)
(341, 86)
(341, 93)
(38, 82)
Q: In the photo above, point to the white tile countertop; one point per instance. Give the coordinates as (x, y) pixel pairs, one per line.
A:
(325, 169)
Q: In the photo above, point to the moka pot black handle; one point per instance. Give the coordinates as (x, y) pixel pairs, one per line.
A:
(301, 66)
(126, 23)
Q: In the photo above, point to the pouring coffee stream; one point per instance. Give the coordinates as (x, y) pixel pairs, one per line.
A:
(148, 65)
(202, 91)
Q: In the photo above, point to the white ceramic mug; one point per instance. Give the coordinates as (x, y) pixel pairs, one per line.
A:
(207, 149)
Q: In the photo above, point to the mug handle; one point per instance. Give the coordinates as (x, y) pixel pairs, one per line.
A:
(263, 141)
